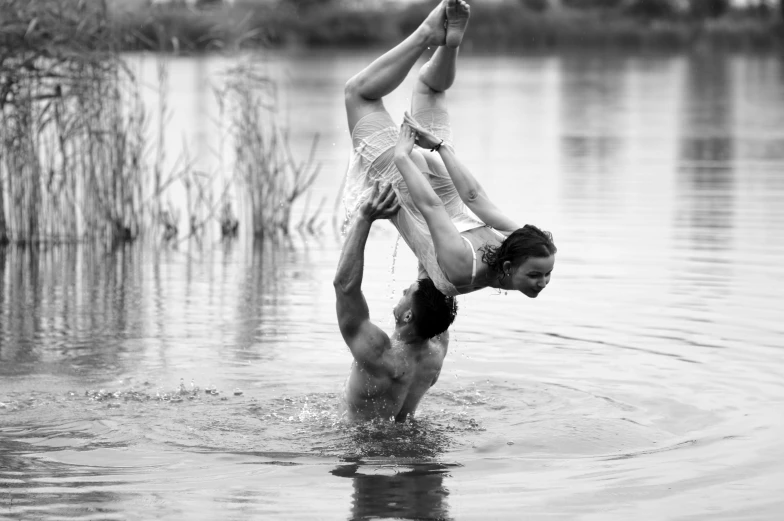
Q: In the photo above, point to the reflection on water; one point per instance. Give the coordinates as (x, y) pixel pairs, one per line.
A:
(64, 307)
(707, 154)
(592, 113)
(409, 492)
(649, 376)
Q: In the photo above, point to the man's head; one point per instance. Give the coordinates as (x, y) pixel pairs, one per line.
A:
(426, 309)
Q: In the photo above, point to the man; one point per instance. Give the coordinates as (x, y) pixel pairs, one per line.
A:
(389, 375)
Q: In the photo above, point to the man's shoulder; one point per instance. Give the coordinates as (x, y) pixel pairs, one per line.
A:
(369, 344)
(372, 334)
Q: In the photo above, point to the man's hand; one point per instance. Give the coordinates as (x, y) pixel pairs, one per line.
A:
(366, 341)
(382, 204)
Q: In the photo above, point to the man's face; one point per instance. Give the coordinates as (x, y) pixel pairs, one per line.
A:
(533, 275)
(405, 303)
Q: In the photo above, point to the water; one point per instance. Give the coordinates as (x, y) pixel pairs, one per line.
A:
(646, 382)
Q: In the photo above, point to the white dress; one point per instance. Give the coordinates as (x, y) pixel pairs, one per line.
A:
(372, 159)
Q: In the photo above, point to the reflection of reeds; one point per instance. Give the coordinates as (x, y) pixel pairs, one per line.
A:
(271, 178)
(68, 303)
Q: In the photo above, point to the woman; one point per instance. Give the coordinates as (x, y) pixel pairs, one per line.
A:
(457, 251)
(498, 254)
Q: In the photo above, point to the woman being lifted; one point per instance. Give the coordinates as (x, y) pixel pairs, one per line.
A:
(458, 252)
(498, 254)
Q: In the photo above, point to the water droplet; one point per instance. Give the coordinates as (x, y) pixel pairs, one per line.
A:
(391, 284)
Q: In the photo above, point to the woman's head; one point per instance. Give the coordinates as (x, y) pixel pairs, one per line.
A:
(524, 261)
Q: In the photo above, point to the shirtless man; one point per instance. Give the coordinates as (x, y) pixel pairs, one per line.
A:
(389, 375)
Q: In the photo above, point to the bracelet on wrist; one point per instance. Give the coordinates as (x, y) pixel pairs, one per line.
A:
(435, 148)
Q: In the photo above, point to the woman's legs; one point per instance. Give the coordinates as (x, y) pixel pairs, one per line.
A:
(428, 102)
(457, 13)
(438, 74)
(428, 105)
(365, 90)
(429, 108)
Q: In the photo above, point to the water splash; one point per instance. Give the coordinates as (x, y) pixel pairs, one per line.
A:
(179, 394)
(392, 280)
(315, 423)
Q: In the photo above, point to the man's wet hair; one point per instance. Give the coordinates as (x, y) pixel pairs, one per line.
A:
(433, 311)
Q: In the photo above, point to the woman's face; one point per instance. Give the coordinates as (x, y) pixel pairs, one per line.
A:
(532, 276)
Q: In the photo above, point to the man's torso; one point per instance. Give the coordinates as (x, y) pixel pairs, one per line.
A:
(396, 390)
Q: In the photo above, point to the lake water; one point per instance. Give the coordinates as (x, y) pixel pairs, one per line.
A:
(646, 382)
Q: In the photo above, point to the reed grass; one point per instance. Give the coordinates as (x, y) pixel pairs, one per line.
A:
(72, 137)
(76, 161)
(270, 176)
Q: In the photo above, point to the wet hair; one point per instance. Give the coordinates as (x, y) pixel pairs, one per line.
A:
(523, 243)
(433, 311)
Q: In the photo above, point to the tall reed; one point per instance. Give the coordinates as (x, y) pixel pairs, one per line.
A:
(271, 178)
(72, 136)
(74, 142)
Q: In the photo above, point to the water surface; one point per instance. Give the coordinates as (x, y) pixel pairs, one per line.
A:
(202, 381)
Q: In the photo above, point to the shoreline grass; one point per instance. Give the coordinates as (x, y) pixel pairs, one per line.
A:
(76, 159)
(494, 26)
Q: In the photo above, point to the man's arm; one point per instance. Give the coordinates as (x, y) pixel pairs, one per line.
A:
(366, 341)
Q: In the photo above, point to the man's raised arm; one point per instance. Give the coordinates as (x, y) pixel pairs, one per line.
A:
(352, 309)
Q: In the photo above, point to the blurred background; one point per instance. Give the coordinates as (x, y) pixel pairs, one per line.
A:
(496, 24)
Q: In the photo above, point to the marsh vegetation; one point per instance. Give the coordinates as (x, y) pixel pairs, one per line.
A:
(78, 160)
(506, 24)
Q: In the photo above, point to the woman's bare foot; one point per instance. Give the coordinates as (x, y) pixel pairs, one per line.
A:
(457, 13)
(434, 26)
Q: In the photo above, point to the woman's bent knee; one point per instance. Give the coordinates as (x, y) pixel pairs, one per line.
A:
(351, 90)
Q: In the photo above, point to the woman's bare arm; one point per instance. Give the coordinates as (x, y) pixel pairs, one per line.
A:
(468, 188)
(473, 195)
(447, 241)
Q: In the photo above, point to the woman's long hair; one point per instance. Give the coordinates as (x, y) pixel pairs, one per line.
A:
(525, 242)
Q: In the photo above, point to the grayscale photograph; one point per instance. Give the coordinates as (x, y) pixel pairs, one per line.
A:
(392, 259)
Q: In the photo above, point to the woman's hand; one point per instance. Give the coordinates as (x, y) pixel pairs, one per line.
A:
(423, 137)
(381, 204)
(405, 141)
